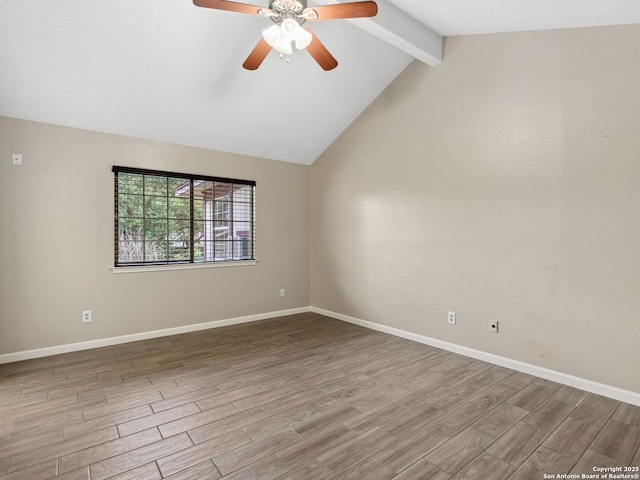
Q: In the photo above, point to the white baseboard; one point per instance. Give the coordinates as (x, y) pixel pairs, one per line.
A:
(571, 380)
(105, 342)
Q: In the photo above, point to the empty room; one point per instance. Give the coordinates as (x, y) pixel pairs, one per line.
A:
(326, 240)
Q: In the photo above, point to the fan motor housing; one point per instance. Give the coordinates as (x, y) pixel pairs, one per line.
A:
(287, 9)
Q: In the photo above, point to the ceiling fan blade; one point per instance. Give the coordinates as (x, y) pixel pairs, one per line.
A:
(231, 6)
(320, 53)
(342, 10)
(257, 55)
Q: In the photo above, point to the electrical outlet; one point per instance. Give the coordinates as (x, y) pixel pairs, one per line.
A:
(452, 318)
(86, 316)
(493, 326)
(282, 292)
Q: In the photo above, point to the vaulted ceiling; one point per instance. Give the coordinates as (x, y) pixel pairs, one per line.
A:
(167, 70)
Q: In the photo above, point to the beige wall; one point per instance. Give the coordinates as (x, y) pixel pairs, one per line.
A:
(503, 184)
(56, 240)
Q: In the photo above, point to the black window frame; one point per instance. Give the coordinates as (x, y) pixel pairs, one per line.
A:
(245, 245)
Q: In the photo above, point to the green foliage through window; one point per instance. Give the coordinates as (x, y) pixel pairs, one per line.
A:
(166, 218)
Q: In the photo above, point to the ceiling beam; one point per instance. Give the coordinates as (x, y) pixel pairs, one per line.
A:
(399, 29)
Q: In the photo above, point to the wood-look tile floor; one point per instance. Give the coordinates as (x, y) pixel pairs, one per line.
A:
(300, 397)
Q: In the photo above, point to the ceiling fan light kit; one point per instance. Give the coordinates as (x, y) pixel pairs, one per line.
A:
(287, 29)
(289, 16)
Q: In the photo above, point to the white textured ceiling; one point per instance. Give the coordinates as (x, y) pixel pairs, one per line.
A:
(468, 17)
(169, 71)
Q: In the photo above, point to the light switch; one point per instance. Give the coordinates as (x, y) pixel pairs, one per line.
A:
(16, 159)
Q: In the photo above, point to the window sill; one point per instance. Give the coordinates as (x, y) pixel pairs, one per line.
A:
(182, 266)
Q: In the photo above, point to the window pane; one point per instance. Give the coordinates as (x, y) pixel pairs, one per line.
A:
(198, 229)
(242, 249)
(155, 230)
(130, 227)
(155, 207)
(130, 205)
(242, 212)
(155, 251)
(179, 252)
(221, 210)
(130, 247)
(179, 207)
(204, 251)
(177, 185)
(221, 190)
(221, 225)
(155, 185)
(242, 193)
(242, 230)
(198, 251)
(129, 183)
(179, 228)
(222, 250)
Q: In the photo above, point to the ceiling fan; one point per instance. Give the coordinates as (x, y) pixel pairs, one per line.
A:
(288, 17)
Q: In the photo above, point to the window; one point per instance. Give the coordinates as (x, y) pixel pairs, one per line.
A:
(172, 218)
